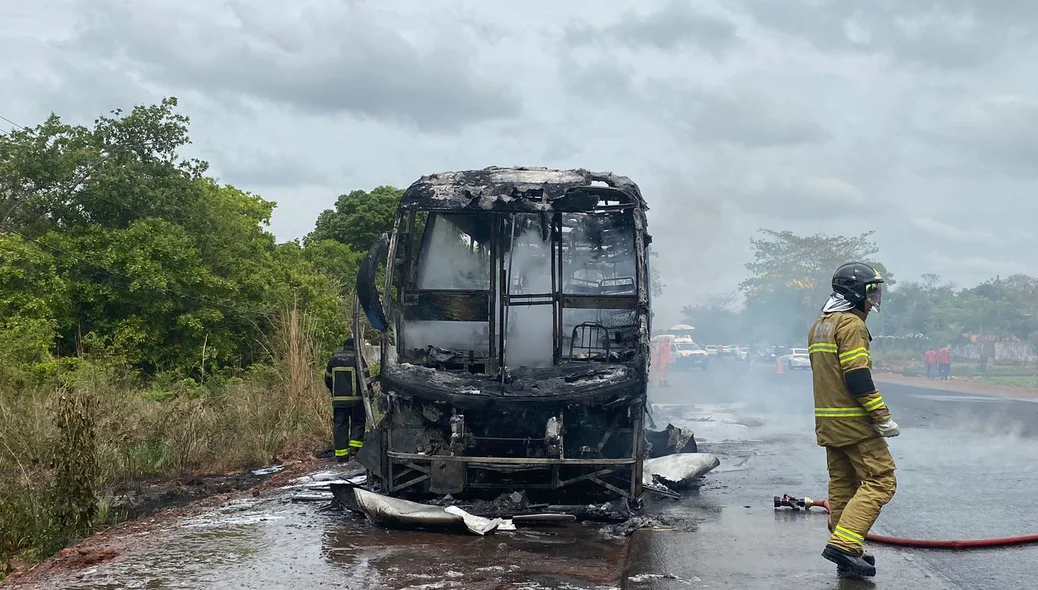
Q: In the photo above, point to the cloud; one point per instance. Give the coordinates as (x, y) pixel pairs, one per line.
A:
(996, 133)
(944, 35)
(948, 231)
(912, 118)
(745, 120)
(747, 117)
(319, 59)
(265, 167)
(979, 267)
(677, 24)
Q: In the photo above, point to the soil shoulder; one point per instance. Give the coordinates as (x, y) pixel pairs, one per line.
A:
(957, 385)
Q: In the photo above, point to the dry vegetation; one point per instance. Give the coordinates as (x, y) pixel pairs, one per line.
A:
(63, 446)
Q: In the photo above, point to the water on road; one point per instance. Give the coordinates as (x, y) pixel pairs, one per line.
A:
(965, 471)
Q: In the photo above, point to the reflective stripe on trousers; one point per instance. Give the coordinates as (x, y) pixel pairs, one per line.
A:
(849, 536)
(857, 412)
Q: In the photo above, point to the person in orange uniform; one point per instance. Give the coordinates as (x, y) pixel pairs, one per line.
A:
(851, 418)
(944, 362)
(662, 358)
(931, 364)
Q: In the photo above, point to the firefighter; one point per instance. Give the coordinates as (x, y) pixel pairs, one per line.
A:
(851, 419)
(347, 405)
(663, 358)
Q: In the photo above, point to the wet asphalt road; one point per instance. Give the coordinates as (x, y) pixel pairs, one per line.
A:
(966, 470)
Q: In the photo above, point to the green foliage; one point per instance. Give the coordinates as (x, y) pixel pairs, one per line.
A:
(335, 259)
(943, 314)
(32, 298)
(792, 278)
(110, 240)
(156, 297)
(358, 218)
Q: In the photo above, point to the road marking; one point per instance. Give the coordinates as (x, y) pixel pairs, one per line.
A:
(957, 398)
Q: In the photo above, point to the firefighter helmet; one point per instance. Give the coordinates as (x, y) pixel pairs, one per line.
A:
(859, 282)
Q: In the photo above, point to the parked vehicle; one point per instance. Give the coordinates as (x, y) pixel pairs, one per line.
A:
(690, 355)
(798, 358)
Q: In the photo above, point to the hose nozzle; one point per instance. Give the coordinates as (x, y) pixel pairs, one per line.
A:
(787, 501)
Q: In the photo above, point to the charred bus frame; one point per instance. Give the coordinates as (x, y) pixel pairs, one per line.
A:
(494, 376)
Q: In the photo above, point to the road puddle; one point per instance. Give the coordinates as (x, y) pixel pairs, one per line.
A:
(277, 544)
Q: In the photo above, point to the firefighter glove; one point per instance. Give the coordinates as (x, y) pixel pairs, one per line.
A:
(888, 428)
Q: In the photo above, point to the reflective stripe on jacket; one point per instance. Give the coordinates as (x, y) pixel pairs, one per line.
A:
(341, 378)
(847, 402)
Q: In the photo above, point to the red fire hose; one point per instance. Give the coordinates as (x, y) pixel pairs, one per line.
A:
(806, 503)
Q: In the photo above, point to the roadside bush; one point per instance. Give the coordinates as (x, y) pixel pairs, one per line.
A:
(63, 445)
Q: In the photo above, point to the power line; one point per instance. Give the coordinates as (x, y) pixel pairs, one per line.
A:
(11, 122)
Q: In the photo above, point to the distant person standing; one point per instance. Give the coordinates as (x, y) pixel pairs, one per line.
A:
(944, 362)
(662, 359)
(931, 364)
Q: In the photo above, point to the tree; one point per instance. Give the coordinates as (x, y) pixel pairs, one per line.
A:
(792, 278)
(152, 260)
(33, 299)
(358, 218)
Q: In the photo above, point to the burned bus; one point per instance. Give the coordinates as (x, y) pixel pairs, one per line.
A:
(515, 318)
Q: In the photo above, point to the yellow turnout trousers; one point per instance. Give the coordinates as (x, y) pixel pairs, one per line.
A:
(861, 482)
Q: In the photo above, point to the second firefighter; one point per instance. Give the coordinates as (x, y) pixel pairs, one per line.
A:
(349, 418)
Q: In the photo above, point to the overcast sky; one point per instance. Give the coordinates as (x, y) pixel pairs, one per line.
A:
(915, 119)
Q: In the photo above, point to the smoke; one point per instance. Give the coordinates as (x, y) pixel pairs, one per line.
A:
(529, 335)
(597, 248)
(451, 260)
(457, 336)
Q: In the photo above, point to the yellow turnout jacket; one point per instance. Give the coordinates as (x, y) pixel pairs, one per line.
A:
(847, 402)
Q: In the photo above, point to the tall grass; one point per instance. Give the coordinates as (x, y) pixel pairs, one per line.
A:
(63, 445)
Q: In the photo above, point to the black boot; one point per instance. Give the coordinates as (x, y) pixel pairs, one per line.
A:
(843, 572)
(853, 565)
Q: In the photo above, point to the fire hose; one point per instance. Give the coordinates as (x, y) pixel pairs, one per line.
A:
(787, 501)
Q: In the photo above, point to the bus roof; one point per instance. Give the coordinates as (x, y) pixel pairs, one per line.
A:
(521, 190)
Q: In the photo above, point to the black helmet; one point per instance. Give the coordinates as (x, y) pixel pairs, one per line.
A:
(858, 282)
(348, 343)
